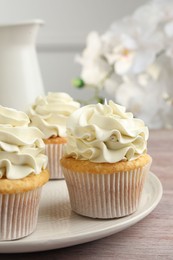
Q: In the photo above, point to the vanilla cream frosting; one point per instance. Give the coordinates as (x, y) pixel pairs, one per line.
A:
(105, 133)
(21, 146)
(50, 113)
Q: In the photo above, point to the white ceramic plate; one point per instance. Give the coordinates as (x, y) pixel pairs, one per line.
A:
(59, 227)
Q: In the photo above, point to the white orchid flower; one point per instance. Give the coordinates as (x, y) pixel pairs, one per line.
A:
(93, 46)
(94, 72)
(112, 83)
(133, 61)
(152, 73)
(165, 7)
(149, 16)
(131, 48)
(94, 67)
(168, 30)
(146, 101)
(165, 10)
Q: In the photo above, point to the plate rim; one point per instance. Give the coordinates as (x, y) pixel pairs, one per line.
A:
(26, 246)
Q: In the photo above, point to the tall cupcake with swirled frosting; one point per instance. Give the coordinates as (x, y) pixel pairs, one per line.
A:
(105, 162)
(22, 174)
(50, 113)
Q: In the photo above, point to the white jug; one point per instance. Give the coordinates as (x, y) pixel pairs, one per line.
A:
(20, 78)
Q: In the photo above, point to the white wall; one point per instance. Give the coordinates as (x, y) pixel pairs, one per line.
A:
(67, 23)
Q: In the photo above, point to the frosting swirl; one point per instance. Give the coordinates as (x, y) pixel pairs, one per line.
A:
(105, 133)
(50, 113)
(21, 146)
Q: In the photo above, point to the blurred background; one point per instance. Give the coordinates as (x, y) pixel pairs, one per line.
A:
(67, 24)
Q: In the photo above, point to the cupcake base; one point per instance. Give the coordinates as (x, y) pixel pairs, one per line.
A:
(19, 213)
(54, 151)
(19, 205)
(105, 195)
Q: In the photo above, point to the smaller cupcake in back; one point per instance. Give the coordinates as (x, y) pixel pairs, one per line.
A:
(22, 174)
(105, 163)
(49, 113)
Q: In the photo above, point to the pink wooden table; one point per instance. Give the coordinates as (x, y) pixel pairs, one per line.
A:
(151, 238)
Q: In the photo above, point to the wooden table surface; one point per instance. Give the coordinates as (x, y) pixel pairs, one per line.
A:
(151, 238)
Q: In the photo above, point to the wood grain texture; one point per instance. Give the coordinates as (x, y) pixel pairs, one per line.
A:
(151, 238)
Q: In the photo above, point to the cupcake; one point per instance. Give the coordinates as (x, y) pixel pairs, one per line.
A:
(105, 161)
(49, 114)
(22, 174)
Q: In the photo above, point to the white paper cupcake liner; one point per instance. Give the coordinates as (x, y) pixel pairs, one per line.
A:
(105, 195)
(54, 153)
(18, 214)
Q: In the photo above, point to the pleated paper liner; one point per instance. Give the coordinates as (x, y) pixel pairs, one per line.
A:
(18, 214)
(54, 153)
(106, 195)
